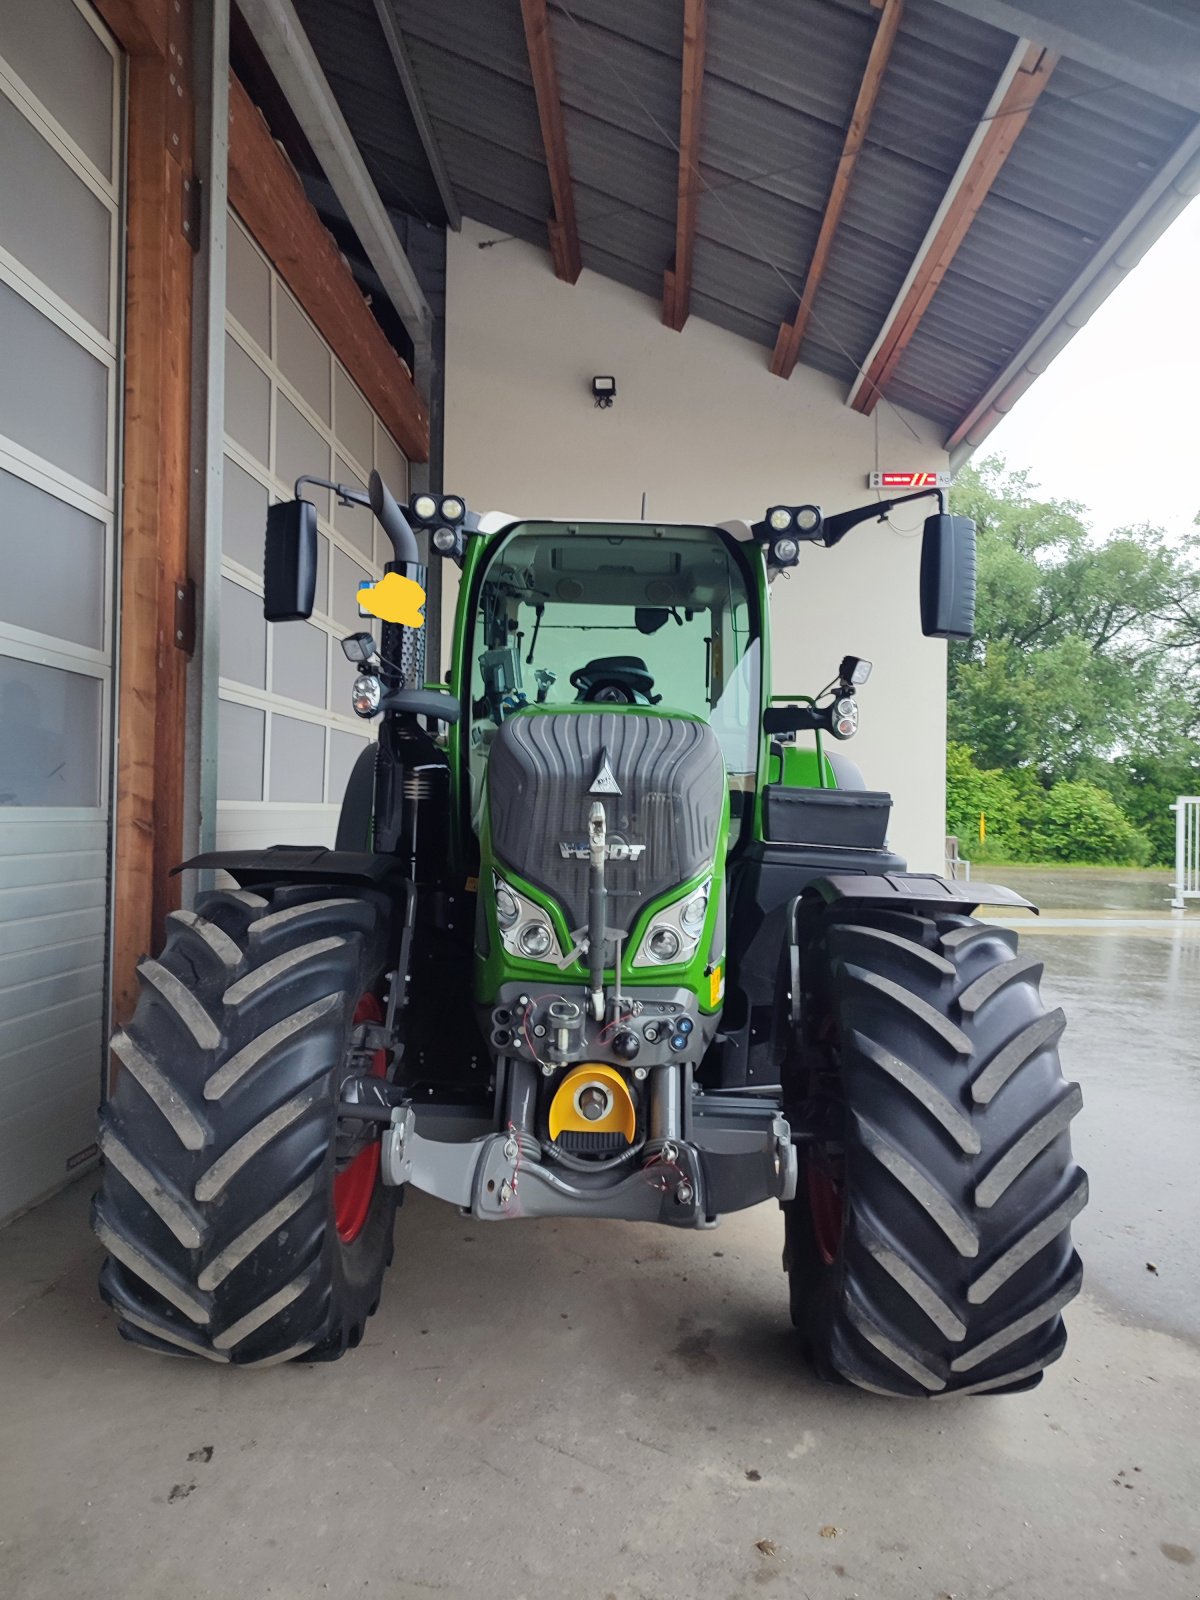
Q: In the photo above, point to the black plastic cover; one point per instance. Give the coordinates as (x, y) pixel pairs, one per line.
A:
(948, 577)
(290, 561)
(924, 888)
(662, 782)
(302, 863)
(854, 819)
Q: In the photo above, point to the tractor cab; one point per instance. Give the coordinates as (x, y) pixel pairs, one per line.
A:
(592, 617)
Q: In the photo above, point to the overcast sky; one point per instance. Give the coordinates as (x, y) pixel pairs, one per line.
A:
(1115, 422)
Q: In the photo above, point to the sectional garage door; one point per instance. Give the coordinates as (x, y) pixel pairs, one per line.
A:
(60, 237)
(287, 735)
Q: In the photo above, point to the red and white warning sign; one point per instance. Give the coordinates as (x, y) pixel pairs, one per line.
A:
(910, 480)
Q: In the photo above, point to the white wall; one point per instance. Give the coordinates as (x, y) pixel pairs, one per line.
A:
(701, 425)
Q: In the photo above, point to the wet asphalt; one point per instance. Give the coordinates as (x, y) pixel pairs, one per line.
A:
(1132, 999)
(551, 1410)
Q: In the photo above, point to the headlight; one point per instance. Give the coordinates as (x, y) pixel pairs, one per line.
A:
(691, 918)
(453, 509)
(664, 944)
(785, 552)
(444, 540)
(507, 907)
(534, 939)
(779, 519)
(675, 930)
(425, 507)
(525, 928)
(365, 695)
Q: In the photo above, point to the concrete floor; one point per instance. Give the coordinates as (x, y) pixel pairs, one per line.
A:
(596, 1410)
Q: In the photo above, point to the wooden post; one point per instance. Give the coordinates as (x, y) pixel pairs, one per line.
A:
(148, 833)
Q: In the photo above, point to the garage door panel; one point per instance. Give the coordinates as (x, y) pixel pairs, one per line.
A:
(44, 997)
(54, 1134)
(54, 549)
(50, 735)
(53, 866)
(31, 1030)
(287, 740)
(60, 233)
(59, 411)
(35, 933)
(81, 1043)
(54, 224)
(58, 57)
(49, 960)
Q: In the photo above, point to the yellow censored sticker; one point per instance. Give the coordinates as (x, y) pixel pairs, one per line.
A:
(394, 599)
(716, 986)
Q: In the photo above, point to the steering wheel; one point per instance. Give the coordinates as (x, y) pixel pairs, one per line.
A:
(609, 693)
(615, 681)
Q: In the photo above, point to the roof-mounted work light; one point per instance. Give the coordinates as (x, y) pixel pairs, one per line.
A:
(437, 510)
(443, 515)
(784, 528)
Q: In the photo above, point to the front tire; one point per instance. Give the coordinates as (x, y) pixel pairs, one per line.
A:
(231, 1232)
(929, 1248)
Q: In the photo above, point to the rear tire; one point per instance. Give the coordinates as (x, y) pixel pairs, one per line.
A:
(946, 1259)
(220, 1136)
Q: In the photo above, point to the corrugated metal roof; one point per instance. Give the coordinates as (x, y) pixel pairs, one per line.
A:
(1081, 161)
(781, 78)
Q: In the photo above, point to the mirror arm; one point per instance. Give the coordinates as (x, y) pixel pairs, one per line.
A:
(839, 525)
(346, 497)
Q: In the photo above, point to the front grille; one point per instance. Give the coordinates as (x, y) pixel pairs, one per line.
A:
(671, 779)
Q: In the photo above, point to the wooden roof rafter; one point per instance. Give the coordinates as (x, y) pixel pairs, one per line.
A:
(564, 233)
(1017, 92)
(791, 334)
(677, 280)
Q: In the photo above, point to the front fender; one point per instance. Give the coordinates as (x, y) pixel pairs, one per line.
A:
(900, 889)
(303, 863)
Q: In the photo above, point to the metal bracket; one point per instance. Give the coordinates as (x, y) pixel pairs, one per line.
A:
(395, 1148)
(185, 616)
(191, 208)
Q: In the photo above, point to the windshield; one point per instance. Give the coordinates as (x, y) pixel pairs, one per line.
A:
(604, 614)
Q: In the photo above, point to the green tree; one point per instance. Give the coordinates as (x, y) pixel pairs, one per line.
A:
(1076, 706)
(1083, 646)
(1080, 822)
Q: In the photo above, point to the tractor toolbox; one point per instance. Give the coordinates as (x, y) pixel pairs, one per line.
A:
(854, 819)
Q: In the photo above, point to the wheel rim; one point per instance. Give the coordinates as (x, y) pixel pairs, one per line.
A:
(825, 1204)
(354, 1185)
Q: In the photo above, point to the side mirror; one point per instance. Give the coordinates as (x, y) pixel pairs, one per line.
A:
(948, 577)
(290, 561)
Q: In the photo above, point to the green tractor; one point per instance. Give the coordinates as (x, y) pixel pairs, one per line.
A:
(608, 930)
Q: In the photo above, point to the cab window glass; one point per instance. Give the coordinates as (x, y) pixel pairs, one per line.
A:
(595, 614)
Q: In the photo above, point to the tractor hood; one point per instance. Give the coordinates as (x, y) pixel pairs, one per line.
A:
(660, 779)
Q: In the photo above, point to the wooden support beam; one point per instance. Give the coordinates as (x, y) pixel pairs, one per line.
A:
(280, 36)
(1016, 94)
(148, 833)
(139, 26)
(791, 334)
(677, 280)
(269, 197)
(564, 235)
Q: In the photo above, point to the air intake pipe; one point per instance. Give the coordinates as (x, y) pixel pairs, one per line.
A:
(405, 647)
